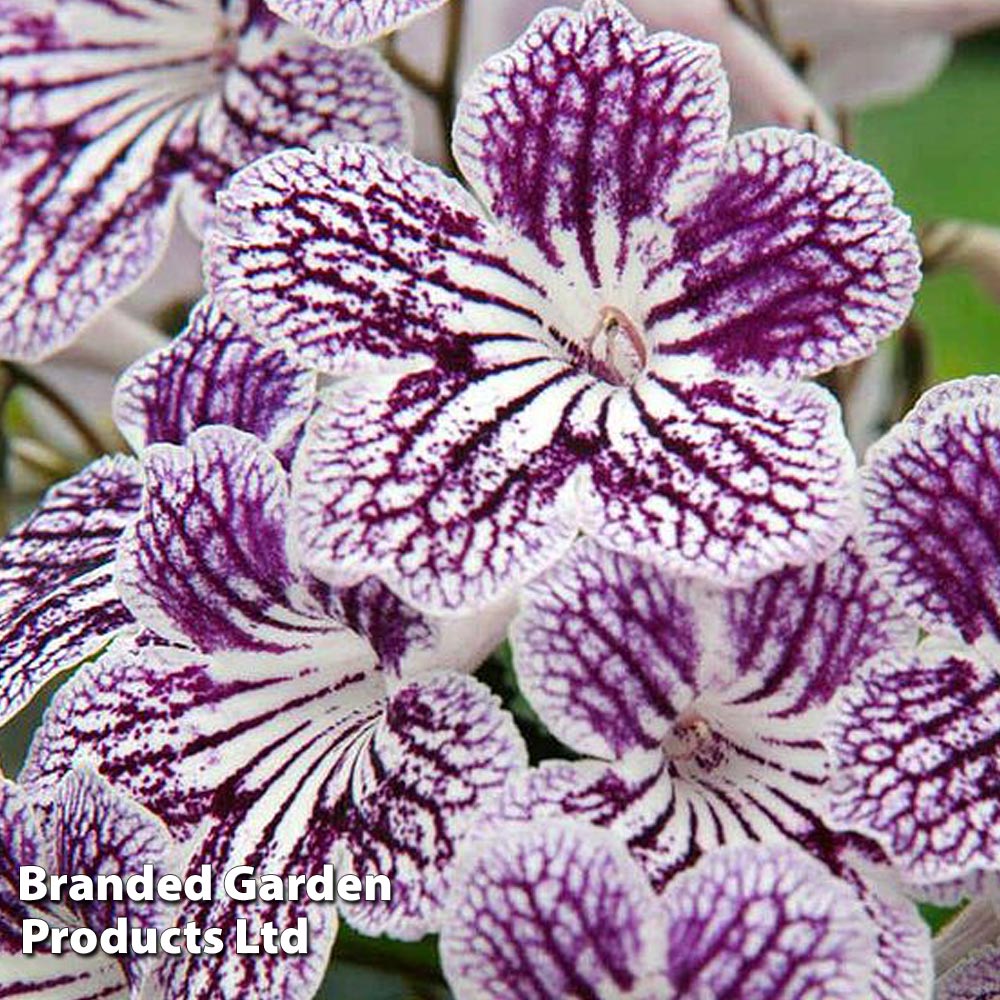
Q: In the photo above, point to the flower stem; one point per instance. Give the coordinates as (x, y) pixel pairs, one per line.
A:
(63, 407)
(443, 93)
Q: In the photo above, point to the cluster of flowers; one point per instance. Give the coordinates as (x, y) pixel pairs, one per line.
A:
(568, 401)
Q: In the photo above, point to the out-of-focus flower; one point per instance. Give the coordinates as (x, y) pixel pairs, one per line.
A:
(543, 912)
(84, 827)
(916, 741)
(115, 115)
(303, 727)
(857, 52)
(828, 54)
(974, 932)
(621, 348)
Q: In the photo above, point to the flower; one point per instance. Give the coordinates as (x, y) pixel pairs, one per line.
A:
(916, 740)
(300, 726)
(83, 828)
(698, 711)
(115, 115)
(59, 603)
(561, 910)
(618, 350)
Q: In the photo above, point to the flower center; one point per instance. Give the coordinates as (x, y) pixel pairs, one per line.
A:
(692, 740)
(615, 350)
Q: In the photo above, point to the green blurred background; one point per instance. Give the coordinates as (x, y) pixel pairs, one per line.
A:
(941, 151)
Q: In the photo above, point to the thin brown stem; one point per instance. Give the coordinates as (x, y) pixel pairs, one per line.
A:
(443, 93)
(63, 407)
(417, 79)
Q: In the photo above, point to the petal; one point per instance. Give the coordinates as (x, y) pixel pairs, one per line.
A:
(610, 651)
(978, 978)
(244, 839)
(206, 562)
(214, 373)
(439, 755)
(351, 22)
(354, 258)
(62, 977)
(315, 764)
(96, 830)
(932, 493)
(916, 756)
(118, 111)
(764, 782)
(55, 578)
(586, 128)
(284, 91)
(186, 736)
(904, 965)
(41, 975)
(794, 263)
(450, 488)
(755, 923)
(726, 480)
(21, 843)
(550, 910)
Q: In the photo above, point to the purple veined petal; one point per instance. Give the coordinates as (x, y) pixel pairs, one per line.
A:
(723, 479)
(708, 788)
(21, 843)
(214, 373)
(355, 258)
(286, 92)
(586, 130)
(226, 844)
(408, 643)
(184, 735)
(916, 765)
(551, 910)
(932, 495)
(352, 22)
(796, 261)
(44, 976)
(450, 489)
(319, 763)
(614, 653)
(766, 923)
(62, 977)
(120, 110)
(977, 978)
(58, 602)
(438, 757)
(904, 965)
(206, 562)
(95, 830)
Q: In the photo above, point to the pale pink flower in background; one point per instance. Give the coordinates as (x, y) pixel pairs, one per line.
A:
(855, 52)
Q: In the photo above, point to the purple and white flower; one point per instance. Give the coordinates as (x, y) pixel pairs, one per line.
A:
(978, 978)
(303, 726)
(350, 22)
(916, 742)
(118, 113)
(59, 604)
(618, 348)
(700, 710)
(558, 911)
(84, 828)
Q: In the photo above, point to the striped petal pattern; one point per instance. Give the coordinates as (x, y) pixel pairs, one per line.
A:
(120, 112)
